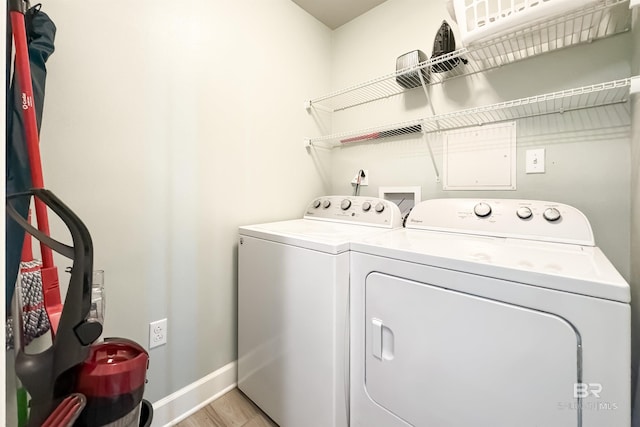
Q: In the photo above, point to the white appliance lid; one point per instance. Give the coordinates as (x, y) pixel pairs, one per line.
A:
(571, 268)
(330, 223)
(329, 237)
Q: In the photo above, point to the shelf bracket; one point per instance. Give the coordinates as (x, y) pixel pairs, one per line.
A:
(310, 144)
(425, 137)
(426, 94)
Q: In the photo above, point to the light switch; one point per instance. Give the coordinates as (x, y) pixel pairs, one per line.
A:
(535, 161)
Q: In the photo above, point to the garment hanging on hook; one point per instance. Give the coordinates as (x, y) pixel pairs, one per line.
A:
(40, 32)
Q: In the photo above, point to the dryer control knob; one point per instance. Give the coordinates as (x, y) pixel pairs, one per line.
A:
(326, 204)
(316, 204)
(524, 212)
(346, 204)
(366, 206)
(482, 210)
(552, 214)
(379, 207)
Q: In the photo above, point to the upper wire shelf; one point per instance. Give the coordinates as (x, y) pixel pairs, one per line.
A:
(606, 18)
(598, 95)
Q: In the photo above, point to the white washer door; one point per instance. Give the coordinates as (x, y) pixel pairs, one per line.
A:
(436, 357)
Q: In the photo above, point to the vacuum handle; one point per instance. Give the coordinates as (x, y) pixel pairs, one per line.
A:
(79, 232)
(47, 376)
(57, 246)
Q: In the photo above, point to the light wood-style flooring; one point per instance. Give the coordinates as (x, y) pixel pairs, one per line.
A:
(233, 409)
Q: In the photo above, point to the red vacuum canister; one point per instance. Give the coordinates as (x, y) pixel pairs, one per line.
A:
(112, 378)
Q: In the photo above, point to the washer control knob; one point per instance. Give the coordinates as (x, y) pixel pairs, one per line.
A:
(346, 204)
(316, 204)
(366, 206)
(551, 214)
(482, 209)
(379, 207)
(326, 204)
(524, 212)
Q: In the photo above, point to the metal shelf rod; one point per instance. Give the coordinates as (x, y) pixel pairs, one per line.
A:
(600, 94)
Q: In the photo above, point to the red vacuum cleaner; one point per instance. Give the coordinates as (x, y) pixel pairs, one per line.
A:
(74, 382)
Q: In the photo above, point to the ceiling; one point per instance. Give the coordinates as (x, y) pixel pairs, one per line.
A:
(334, 13)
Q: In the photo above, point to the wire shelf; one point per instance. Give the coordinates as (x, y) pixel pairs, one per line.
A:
(597, 95)
(606, 18)
(369, 134)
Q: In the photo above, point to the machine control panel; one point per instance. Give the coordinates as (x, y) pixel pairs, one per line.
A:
(482, 209)
(551, 214)
(362, 210)
(524, 212)
(525, 219)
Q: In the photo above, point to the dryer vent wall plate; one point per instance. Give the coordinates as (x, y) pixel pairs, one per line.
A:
(405, 197)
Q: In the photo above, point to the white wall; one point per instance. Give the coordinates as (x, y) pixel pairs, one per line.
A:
(589, 170)
(635, 215)
(166, 126)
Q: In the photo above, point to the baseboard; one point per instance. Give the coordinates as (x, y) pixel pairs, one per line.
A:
(186, 401)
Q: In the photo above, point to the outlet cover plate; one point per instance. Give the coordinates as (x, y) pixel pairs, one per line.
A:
(157, 333)
(535, 161)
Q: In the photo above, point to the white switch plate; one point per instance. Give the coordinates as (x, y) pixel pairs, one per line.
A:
(535, 161)
(363, 181)
(157, 333)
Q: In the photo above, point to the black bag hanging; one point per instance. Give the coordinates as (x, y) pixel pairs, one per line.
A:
(40, 37)
(443, 44)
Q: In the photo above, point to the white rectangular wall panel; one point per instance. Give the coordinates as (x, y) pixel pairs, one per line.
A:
(480, 158)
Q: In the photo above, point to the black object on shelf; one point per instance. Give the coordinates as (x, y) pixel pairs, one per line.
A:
(411, 78)
(445, 43)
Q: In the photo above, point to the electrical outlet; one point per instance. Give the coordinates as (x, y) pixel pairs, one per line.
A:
(364, 180)
(157, 333)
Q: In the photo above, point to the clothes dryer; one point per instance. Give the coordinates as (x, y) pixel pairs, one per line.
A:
(494, 313)
(293, 289)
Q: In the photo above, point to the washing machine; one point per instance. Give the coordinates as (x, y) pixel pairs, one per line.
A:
(293, 291)
(496, 313)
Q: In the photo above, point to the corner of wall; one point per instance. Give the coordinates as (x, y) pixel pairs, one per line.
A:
(188, 400)
(635, 217)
